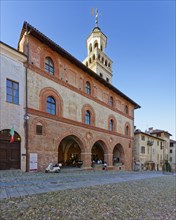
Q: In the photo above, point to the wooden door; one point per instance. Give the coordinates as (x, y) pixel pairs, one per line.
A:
(9, 155)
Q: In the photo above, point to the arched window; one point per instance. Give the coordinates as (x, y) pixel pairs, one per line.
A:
(86, 63)
(101, 48)
(88, 88)
(106, 63)
(102, 60)
(49, 65)
(99, 56)
(127, 130)
(95, 45)
(51, 105)
(126, 109)
(111, 101)
(88, 115)
(94, 57)
(90, 60)
(111, 125)
(90, 48)
(87, 118)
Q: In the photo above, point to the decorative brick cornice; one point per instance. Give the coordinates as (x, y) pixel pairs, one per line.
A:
(75, 123)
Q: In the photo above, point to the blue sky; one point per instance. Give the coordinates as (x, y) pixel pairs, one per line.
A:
(141, 44)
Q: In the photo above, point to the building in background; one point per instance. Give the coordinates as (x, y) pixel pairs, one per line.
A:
(151, 149)
(75, 113)
(12, 108)
(172, 154)
(165, 135)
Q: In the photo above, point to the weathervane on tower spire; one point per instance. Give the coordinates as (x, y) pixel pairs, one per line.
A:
(96, 18)
(95, 13)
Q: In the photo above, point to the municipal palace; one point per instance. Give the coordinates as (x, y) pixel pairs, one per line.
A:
(62, 110)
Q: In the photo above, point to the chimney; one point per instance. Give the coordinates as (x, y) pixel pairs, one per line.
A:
(150, 129)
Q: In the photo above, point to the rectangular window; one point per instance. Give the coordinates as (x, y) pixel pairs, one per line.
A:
(143, 138)
(87, 119)
(142, 150)
(161, 146)
(171, 151)
(39, 129)
(12, 91)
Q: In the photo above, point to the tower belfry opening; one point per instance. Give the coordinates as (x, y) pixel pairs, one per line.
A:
(96, 59)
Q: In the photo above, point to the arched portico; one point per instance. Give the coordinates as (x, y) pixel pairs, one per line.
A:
(98, 152)
(69, 151)
(118, 155)
(10, 152)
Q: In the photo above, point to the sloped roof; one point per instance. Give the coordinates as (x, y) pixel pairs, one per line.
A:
(172, 141)
(138, 131)
(44, 39)
(156, 131)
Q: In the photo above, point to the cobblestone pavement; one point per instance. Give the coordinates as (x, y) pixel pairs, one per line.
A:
(19, 184)
(87, 195)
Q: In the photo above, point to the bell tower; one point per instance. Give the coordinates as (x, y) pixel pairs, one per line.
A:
(97, 60)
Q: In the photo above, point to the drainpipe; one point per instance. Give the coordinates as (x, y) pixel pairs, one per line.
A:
(132, 144)
(26, 113)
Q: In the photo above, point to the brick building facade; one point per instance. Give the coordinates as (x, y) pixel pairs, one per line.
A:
(74, 113)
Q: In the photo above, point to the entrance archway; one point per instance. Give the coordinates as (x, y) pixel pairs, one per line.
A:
(98, 153)
(9, 152)
(118, 155)
(69, 152)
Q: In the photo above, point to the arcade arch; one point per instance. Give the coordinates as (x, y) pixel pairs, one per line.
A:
(97, 152)
(118, 155)
(10, 152)
(69, 151)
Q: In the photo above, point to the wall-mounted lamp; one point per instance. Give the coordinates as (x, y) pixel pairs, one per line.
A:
(26, 117)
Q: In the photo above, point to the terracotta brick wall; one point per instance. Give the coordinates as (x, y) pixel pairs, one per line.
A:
(67, 86)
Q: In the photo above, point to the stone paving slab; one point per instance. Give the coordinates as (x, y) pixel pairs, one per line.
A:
(22, 184)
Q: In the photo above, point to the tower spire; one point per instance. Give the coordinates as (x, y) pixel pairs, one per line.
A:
(97, 60)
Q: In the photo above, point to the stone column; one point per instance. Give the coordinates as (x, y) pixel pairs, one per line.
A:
(108, 160)
(86, 158)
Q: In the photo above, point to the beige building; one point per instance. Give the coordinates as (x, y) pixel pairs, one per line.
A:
(150, 149)
(12, 108)
(172, 154)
